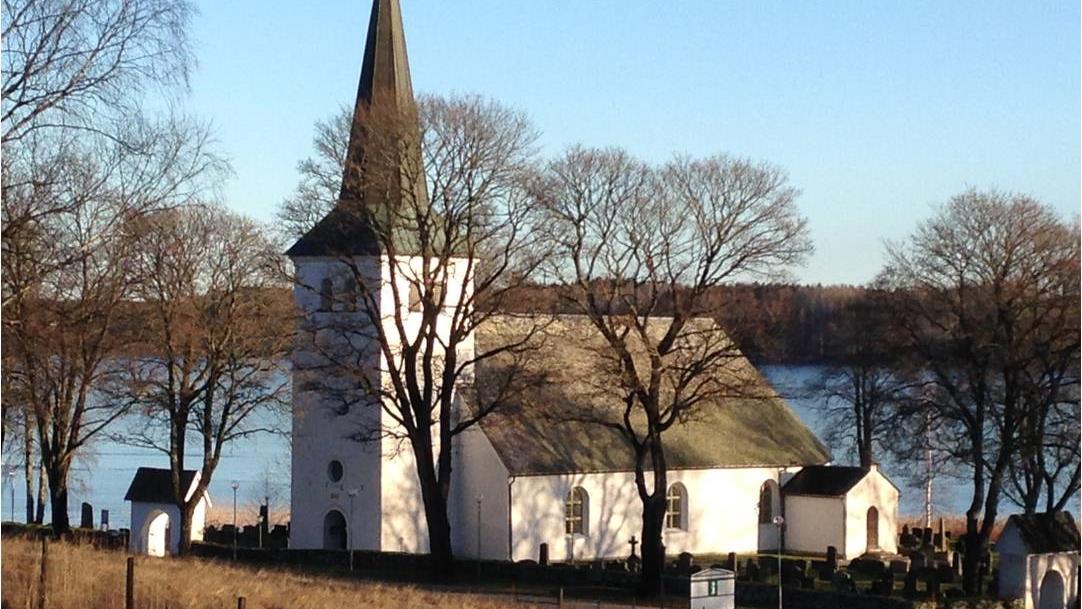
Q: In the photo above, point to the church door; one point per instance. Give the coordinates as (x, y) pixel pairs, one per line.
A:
(334, 531)
(873, 529)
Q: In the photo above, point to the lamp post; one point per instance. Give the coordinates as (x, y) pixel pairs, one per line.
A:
(778, 522)
(235, 486)
(349, 527)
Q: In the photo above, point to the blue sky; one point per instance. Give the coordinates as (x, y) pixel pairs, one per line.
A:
(878, 110)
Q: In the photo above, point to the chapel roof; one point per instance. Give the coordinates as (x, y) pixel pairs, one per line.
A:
(385, 93)
(1047, 532)
(155, 485)
(825, 480)
(561, 381)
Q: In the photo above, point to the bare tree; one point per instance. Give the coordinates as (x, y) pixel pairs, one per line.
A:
(636, 251)
(206, 365)
(982, 291)
(82, 64)
(321, 176)
(866, 388)
(445, 208)
(65, 277)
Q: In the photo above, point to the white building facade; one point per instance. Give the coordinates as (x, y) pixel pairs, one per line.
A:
(155, 517)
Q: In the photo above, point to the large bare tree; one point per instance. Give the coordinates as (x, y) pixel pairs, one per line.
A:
(448, 213)
(206, 366)
(987, 293)
(637, 250)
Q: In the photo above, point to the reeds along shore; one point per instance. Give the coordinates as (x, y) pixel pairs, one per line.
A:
(80, 577)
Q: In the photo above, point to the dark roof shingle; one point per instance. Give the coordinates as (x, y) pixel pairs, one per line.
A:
(1047, 532)
(824, 480)
(154, 485)
(531, 436)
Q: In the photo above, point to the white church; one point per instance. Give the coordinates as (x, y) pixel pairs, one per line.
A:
(519, 480)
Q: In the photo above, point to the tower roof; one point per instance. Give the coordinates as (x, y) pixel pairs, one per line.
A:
(385, 93)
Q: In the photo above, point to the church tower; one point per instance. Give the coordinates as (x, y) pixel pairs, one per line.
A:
(354, 484)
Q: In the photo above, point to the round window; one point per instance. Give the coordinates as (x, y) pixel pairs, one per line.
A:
(334, 470)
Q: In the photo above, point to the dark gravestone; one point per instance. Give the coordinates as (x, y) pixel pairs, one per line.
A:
(634, 563)
(87, 517)
(944, 573)
(910, 589)
(791, 575)
(933, 583)
(899, 567)
(832, 557)
(543, 555)
(796, 564)
(730, 562)
(683, 562)
(264, 518)
(926, 537)
(843, 582)
(105, 519)
(905, 529)
(941, 537)
(754, 574)
(937, 540)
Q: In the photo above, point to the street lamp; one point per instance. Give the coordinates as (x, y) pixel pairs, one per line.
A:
(349, 527)
(235, 486)
(779, 522)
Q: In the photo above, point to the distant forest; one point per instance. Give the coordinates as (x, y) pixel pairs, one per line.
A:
(772, 323)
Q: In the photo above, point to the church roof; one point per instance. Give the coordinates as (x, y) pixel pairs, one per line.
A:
(538, 430)
(824, 480)
(155, 485)
(1047, 532)
(384, 93)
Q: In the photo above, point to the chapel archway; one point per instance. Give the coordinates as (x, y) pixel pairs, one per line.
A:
(157, 534)
(334, 531)
(873, 529)
(1052, 588)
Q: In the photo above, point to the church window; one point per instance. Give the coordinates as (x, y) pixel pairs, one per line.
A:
(334, 470)
(575, 511)
(350, 294)
(676, 507)
(326, 295)
(766, 503)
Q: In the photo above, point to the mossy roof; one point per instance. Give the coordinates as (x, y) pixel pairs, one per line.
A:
(538, 428)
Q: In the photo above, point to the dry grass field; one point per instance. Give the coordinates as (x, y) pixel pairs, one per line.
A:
(80, 577)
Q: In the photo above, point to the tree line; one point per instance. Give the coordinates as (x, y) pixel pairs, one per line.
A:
(130, 293)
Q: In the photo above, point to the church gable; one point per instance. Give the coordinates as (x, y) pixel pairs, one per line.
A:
(531, 436)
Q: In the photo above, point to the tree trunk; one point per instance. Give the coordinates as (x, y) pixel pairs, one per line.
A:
(653, 550)
(58, 503)
(28, 472)
(39, 513)
(439, 525)
(187, 512)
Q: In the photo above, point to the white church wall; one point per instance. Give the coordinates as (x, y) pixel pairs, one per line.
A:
(478, 472)
(873, 490)
(722, 513)
(404, 527)
(322, 430)
(813, 523)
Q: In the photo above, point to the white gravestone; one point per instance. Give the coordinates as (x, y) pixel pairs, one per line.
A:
(713, 589)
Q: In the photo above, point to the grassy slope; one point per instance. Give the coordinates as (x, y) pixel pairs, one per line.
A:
(81, 577)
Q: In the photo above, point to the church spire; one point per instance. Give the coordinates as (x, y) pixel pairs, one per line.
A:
(385, 91)
(385, 94)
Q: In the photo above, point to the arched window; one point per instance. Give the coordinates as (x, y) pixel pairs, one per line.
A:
(576, 511)
(766, 503)
(334, 531)
(676, 507)
(350, 295)
(326, 294)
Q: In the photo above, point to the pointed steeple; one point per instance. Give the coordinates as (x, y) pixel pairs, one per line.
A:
(385, 92)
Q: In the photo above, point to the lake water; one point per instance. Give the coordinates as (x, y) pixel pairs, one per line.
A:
(260, 466)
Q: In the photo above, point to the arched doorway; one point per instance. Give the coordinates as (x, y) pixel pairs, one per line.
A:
(873, 529)
(334, 531)
(157, 534)
(1051, 595)
(768, 507)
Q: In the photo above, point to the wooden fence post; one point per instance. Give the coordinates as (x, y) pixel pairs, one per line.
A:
(43, 578)
(241, 602)
(129, 587)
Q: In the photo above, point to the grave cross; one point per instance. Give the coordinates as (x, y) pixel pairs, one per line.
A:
(633, 543)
